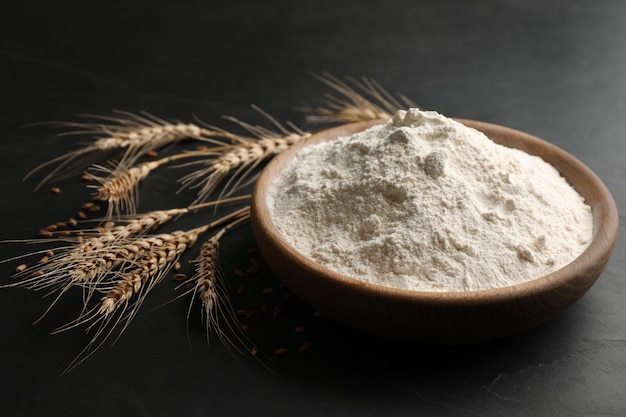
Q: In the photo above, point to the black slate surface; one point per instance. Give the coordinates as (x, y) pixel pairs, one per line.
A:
(554, 69)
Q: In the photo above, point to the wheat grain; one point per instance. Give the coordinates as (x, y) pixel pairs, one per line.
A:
(280, 351)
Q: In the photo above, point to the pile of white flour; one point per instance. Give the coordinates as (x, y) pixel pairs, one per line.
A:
(425, 203)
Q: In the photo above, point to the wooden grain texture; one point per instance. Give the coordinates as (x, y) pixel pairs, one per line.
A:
(447, 317)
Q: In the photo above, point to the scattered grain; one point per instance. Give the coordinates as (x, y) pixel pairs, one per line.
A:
(94, 209)
(238, 272)
(44, 259)
(81, 215)
(152, 153)
(304, 347)
(72, 222)
(45, 233)
(301, 329)
(254, 350)
(88, 205)
(37, 274)
(177, 266)
(241, 290)
(86, 178)
(55, 190)
(254, 267)
(180, 277)
(278, 310)
(268, 291)
(20, 268)
(245, 327)
(280, 351)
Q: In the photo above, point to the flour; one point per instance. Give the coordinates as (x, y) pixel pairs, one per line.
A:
(424, 203)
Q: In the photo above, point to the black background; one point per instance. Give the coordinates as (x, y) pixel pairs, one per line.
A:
(555, 69)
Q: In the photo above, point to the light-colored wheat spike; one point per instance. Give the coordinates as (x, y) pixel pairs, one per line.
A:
(140, 263)
(134, 135)
(240, 160)
(207, 284)
(91, 259)
(359, 100)
(157, 256)
(238, 163)
(119, 187)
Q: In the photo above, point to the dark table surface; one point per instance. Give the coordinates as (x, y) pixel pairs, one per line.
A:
(555, 69)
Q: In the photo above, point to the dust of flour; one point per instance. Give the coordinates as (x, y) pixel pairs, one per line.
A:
(425, 203)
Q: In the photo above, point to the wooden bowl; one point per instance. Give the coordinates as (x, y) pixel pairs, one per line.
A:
(443, 317)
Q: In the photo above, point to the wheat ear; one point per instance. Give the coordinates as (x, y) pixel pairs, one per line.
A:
(91, 258)
(208, 285)
(359, 100)
(88, 259)
(119, 186)
(240, 160)
(156, 256)
(150, 260)
(134, 135)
